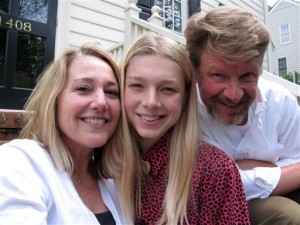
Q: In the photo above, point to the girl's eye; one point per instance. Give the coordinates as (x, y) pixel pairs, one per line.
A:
(135, 85)
(168, 90)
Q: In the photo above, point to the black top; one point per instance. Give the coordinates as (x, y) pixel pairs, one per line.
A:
(105, 218)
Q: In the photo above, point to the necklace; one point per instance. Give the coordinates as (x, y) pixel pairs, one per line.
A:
(81, 183)
(146, 166)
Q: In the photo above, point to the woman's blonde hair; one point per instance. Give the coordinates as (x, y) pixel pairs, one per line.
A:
(184, 140)
(229, 32)
(41, 120)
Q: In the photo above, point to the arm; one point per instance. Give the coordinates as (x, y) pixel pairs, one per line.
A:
(21, 195)
(289, 177)
(249, 164)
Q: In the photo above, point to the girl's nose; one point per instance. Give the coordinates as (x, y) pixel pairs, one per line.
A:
(151, 99)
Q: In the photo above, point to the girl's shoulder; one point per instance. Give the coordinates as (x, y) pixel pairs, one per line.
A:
(210, 156)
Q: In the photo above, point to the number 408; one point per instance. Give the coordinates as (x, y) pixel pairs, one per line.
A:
(18, 24)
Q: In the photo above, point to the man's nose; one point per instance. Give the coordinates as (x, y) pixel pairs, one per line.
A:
(233, 91)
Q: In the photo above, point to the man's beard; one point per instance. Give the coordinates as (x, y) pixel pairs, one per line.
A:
(233, 117)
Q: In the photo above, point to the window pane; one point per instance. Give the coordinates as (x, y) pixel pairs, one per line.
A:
(4, 6)
(30, 60)
(282, 68)
(171, 13)
(3, 34)
(36, 10)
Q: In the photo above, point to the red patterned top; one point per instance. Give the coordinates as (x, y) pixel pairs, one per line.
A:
(217, 192)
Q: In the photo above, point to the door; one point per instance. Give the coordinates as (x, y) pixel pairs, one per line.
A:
(27, 41)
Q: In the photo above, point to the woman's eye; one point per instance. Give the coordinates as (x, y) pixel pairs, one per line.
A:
(82, 89)
(113, 93)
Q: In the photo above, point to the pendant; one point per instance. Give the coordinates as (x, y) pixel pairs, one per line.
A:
(147, 166)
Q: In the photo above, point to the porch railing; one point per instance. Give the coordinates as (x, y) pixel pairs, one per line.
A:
(134, 26)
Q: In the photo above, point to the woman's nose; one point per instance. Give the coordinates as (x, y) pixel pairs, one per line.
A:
(98, 100)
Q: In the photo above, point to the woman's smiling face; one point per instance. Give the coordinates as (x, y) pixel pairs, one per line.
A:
(88, 107)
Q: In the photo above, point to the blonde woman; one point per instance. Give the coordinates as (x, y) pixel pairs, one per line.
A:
(169, 177)
(56, 173)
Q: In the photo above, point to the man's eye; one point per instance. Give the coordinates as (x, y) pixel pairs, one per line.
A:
(218, 75)
(248, 75)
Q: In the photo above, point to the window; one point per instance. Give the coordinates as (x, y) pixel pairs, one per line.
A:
(282, 67)
(27, 40)
(171, 13)
(285, 34)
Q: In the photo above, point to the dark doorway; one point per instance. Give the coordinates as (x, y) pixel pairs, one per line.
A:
(27, 42)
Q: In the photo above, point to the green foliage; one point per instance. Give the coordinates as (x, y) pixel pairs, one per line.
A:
(269, 8)
(288, 77)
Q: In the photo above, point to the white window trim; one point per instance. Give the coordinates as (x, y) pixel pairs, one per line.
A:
(280, 33)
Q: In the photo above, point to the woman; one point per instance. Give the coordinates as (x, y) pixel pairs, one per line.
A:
(167, 178)
(57, 173)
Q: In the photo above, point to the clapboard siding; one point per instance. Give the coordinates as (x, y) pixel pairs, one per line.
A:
(256, 6)
(102, 21)
(285, 12)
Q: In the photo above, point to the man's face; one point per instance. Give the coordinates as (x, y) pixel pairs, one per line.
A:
(226, 89)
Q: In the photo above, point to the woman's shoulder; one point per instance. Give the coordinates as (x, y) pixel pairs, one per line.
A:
(19, 146)
(22, 152)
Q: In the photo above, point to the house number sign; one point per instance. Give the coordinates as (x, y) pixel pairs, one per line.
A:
(17, 24)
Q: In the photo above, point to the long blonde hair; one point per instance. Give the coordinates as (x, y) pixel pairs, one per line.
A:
(184, 139)
(41, 122)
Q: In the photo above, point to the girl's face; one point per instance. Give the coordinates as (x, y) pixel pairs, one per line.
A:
(154, 96)
(89, 105)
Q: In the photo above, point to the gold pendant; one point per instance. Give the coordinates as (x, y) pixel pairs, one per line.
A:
(147, 166)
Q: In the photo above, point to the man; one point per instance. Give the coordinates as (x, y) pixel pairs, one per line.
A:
(254, 121)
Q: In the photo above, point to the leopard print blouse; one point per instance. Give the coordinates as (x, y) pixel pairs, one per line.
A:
(217, 191)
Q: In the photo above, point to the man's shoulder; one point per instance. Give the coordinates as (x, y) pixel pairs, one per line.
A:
(267, 86)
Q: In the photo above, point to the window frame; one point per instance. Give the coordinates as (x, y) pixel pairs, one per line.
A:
(282, 66)
(285, 33)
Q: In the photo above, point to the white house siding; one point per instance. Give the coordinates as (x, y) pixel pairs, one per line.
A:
(82, 22)
(285, 12)
(102, 21)
(255, 6)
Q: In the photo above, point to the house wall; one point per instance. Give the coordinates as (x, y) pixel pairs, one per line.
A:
(98, 22)
(102, 21)
(285, 13)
